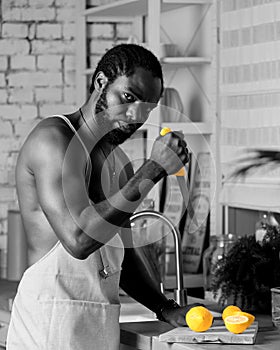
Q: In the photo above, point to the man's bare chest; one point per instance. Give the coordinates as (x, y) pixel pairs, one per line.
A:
(107, 176)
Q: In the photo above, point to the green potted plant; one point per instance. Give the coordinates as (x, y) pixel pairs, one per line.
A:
(245, 275)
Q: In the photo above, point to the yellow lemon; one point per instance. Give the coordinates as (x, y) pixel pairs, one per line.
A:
(229, 311)
(237, 323)
(251, 318)
(199, 319)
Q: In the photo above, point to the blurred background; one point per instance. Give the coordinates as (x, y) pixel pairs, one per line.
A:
(222, 71)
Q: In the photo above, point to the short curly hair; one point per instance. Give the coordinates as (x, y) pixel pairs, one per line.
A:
(123, 59)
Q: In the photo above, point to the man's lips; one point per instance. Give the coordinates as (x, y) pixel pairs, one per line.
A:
(126, 126)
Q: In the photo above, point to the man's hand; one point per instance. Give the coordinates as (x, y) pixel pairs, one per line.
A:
(177, 317)
(170, 152)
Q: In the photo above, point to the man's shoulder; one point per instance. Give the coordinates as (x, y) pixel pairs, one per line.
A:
(50, 137)
(50, 131)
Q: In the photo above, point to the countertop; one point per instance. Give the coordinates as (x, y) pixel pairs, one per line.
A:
(145, 335)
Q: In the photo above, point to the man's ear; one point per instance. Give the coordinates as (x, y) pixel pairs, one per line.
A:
(100, 81)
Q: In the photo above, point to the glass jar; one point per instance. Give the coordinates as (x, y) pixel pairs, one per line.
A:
(261, 226)
(217, 250)
(265, 219)
(224, 243)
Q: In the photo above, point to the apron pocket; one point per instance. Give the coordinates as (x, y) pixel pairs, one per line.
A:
(80, 325)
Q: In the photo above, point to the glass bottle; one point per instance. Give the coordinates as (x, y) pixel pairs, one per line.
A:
(224, 244)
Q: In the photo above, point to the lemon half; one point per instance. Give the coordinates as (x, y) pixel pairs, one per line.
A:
(237, 323)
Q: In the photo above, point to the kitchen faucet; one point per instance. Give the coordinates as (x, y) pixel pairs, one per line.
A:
(180, 294)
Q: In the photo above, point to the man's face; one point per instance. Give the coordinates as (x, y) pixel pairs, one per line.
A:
(125, 104)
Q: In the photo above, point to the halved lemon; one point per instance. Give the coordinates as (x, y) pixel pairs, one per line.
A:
(229, 311)
(237, 323)
(242, 313)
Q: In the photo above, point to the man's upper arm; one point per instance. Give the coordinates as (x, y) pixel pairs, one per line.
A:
(58, 167)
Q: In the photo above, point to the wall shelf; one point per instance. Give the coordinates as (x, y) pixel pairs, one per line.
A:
(124, 8)
(254, 196)
(186, 61)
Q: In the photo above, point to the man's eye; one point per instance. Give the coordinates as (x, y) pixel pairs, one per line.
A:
(129, 98)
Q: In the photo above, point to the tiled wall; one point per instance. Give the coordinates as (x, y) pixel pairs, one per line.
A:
(249, 79)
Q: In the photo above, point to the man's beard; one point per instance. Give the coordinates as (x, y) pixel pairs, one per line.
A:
(114, 136)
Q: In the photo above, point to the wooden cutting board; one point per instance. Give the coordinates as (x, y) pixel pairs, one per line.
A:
(216, 334)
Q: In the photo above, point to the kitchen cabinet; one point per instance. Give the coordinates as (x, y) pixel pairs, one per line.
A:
(191, 27)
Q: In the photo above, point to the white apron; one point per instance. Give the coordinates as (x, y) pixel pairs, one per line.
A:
(63, 303)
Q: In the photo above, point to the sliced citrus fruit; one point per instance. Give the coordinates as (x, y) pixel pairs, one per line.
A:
(237, 323)
(229, 311)
(251, 318)
(199, 319)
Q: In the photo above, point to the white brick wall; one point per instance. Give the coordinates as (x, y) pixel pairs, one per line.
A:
(23, 62)
(50, 95)
(6, 129)
(49, 62)
(14, 30)
(49, 109)
(100, 30)
(123, 30)
(21, 95)
(14, 47)
(65, 3)
(69, 31)
(65, 14)
(35, 79)
(3, 63)
(63, 47)
(3, 96)
(49, 31)
(41, 3)
(98, 46)
(69, 63)
(11, 111)
(37, 43)
(38, 14)
(37, 72)
(2, 80)
(28, 112)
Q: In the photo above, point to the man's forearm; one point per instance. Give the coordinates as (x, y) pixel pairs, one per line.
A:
(138, 283)
(102, 220)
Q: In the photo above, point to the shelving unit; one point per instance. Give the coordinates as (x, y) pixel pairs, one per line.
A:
(186, 61)
(192, 71)
(130, 8)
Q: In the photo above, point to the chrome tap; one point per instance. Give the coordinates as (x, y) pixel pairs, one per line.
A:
(180, 294)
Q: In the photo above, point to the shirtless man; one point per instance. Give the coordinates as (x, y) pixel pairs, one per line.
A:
(73, 211)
